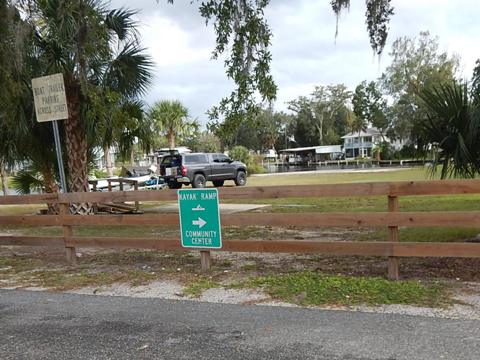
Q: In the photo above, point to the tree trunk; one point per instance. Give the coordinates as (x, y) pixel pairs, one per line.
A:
(321, 130)
(171, 140)
(108, 160)
(132, 156)
(3, 176)
(77, 148)
(51, 186)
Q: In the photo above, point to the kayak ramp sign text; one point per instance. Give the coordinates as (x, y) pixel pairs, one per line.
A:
(199, 218)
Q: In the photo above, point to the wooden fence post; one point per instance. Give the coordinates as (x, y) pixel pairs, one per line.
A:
(206, 260)
(393, 273)
(137, 206)
(67, 233)
(95, 204)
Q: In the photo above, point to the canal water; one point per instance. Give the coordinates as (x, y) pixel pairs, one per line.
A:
(282, 168)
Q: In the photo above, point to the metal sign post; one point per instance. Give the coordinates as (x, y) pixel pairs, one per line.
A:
(51, 105)
(58, 149)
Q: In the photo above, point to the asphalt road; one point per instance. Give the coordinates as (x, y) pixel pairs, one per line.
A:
(42, 325)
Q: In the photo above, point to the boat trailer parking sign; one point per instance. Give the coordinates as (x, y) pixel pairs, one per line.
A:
(199, 218)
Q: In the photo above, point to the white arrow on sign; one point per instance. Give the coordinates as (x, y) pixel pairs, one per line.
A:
(200, 222)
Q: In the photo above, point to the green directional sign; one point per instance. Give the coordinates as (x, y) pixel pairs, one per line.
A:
(200, 218)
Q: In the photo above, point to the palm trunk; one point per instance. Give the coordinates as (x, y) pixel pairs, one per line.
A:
(51, 186)
(171, 140)
(132, 156)
(77, 149)
(108, 160)
(3, 176)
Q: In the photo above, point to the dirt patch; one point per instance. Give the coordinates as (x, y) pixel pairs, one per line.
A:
(241, 264)
(167, 275)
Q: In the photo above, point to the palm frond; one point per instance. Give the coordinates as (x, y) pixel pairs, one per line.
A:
(130, 73)
(452, 127)
(25, 181)
(121, 22)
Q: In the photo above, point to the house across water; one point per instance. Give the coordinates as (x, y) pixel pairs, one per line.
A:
(361, 144)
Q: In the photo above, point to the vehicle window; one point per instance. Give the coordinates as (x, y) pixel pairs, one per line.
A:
(171, 161)
(195, 159)
(215, 157)
(223, 158)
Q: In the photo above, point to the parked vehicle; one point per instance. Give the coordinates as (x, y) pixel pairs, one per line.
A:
(198, 168)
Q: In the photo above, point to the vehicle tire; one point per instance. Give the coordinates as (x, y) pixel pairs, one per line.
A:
(199, 181)
(218, 183)
(241, 178)
(174, 185)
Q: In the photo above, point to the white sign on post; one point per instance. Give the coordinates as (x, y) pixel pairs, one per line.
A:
(49, 97)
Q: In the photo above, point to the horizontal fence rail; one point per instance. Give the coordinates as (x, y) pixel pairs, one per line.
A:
(377, 248)
(393, 219)
(401, 188)
(367, 219)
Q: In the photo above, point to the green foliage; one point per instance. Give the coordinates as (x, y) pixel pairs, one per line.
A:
(417, 64)
(104, 68)
(203, 141)
(25, 181)
(322, 118)
(263, 133)
(369, 105)
(384, 151)
(242, 33)
(453, 128)
(196, 288)
(476, 81)
(240, 153)
(310, 288)
(99, 174)
(378, 16)
(254, 167)
(171, 119)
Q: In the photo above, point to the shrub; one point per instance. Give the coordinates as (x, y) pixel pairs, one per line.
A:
(240, 153)
(254, 168)
(99, 174)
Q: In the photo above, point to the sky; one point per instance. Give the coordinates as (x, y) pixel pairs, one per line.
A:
(304, 49)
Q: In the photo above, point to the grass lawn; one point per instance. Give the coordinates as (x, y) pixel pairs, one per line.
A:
(311, 288)
(409, 174)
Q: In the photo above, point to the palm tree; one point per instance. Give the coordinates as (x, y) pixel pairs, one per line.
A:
(453, 128)
(171, 119)
(121, 125)
(137, 130)
(23, 139)
(91, 46)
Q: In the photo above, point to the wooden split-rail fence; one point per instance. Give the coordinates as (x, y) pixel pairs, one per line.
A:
(392, 247)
